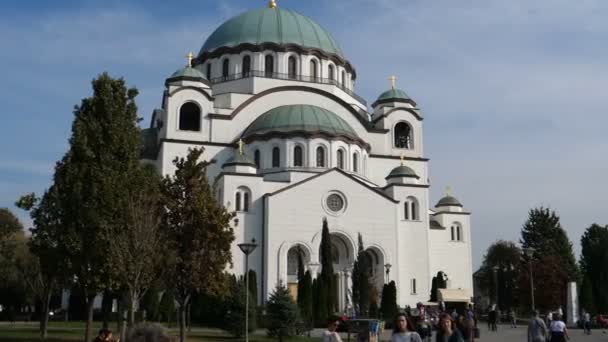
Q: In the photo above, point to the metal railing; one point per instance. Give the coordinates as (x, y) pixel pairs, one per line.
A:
(288, 77)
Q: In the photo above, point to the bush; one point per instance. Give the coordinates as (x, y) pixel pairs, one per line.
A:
(282, 313)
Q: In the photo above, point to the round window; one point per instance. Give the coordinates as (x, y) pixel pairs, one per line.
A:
(335, 202)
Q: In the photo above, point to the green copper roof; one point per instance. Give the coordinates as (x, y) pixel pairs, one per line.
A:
(188, 72)
(300, 118)
(239, 159)
(268, 25)
(448, 201)
(393, 93)
(402, 171)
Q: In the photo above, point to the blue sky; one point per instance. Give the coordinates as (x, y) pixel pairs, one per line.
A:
(513, 92)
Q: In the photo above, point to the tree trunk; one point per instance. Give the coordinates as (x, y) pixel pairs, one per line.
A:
(182, 323)
(132, 307)
(88, 326)
(44, 317)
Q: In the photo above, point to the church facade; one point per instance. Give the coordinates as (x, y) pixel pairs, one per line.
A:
(271, 99)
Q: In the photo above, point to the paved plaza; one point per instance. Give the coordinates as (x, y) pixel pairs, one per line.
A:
(505, 334)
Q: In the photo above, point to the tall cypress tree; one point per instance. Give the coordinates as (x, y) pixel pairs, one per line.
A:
(327, 267)
(356, 275)
(594, 266)
(305, 299)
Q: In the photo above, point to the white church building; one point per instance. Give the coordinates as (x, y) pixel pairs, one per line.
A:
(271, 98)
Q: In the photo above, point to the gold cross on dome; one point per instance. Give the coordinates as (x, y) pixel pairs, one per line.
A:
(402, 159)
(393, 80)
(241, 146)
(272, 4)
(190, 57)
(448, 190)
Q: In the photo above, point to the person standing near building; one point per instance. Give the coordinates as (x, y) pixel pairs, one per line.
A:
(537, 329)
(513, 318)
(558, 330)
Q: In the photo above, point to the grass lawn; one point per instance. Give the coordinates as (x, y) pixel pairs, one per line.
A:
(74, 331)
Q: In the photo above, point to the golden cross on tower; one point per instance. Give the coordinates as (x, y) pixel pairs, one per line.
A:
(448, 190)
(272, 4)
(190, 57)
(393, 80)
(241, 146)
(402, 159)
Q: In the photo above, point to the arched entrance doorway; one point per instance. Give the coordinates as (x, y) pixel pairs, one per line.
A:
(343, 257)
(296, 254)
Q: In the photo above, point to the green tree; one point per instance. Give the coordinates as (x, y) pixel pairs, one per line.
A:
(138, 250)
(389, 305)
(151, 303)
(320, 302)
(361, 278)
(439, 282)
(199, 232)
(504, 258)
(92, 182)
(594, 253)
(234, 317)
(253, 287)
(282, 313)
(9, 225)
(327, 267)
(586, 299)
(166, 307)
(305, 301)
(543, 232)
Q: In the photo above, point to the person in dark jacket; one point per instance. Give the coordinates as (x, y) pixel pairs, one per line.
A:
(447, 331)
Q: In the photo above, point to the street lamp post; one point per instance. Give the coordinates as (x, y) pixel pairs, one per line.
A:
(495, 269)
(247, 248)
(529, 252)
(388, 271)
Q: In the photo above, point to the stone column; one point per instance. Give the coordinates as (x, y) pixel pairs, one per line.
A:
(340, 287)
(348, 285)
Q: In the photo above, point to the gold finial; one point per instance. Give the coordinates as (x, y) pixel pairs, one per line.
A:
(241, 147)
(272, 4)
(402, 159)
(393, 80)
(190, 57)
(448, 190)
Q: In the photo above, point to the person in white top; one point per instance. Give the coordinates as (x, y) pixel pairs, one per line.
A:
(404, 330)
(331, 335)
(558, 330)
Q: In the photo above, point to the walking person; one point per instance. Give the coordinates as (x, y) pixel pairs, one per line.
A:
(470, 324)
(447, 331)
(492, 317)
(537, 329)
(404, 330)
(587, 323)
(331, 335)
(513, 318)
(558, 330)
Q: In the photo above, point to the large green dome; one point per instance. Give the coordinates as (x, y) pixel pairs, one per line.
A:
(271, 25)
(302, 120)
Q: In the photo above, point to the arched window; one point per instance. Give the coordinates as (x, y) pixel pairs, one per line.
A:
(276, 157)
(256, 158)
(458, 237)
(208, 71)
(344, 78)
(225, 68)
(268, 65)
(341, 159)
(298, 156)
(411, 209)
(189, 117)
(320, 156)
(292, 67)
(313, 70)
(456, 232)
(355, 162)
(242, 199)
(403, 135)
(246, 66)
(330, 72)
(237, 201)
(453, 230)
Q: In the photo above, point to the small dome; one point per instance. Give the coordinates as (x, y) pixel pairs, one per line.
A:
(393, 95)
(300, 120)
(402, 171)
(448, 201)
(271, 25)
(188, 72)
(239, 159)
